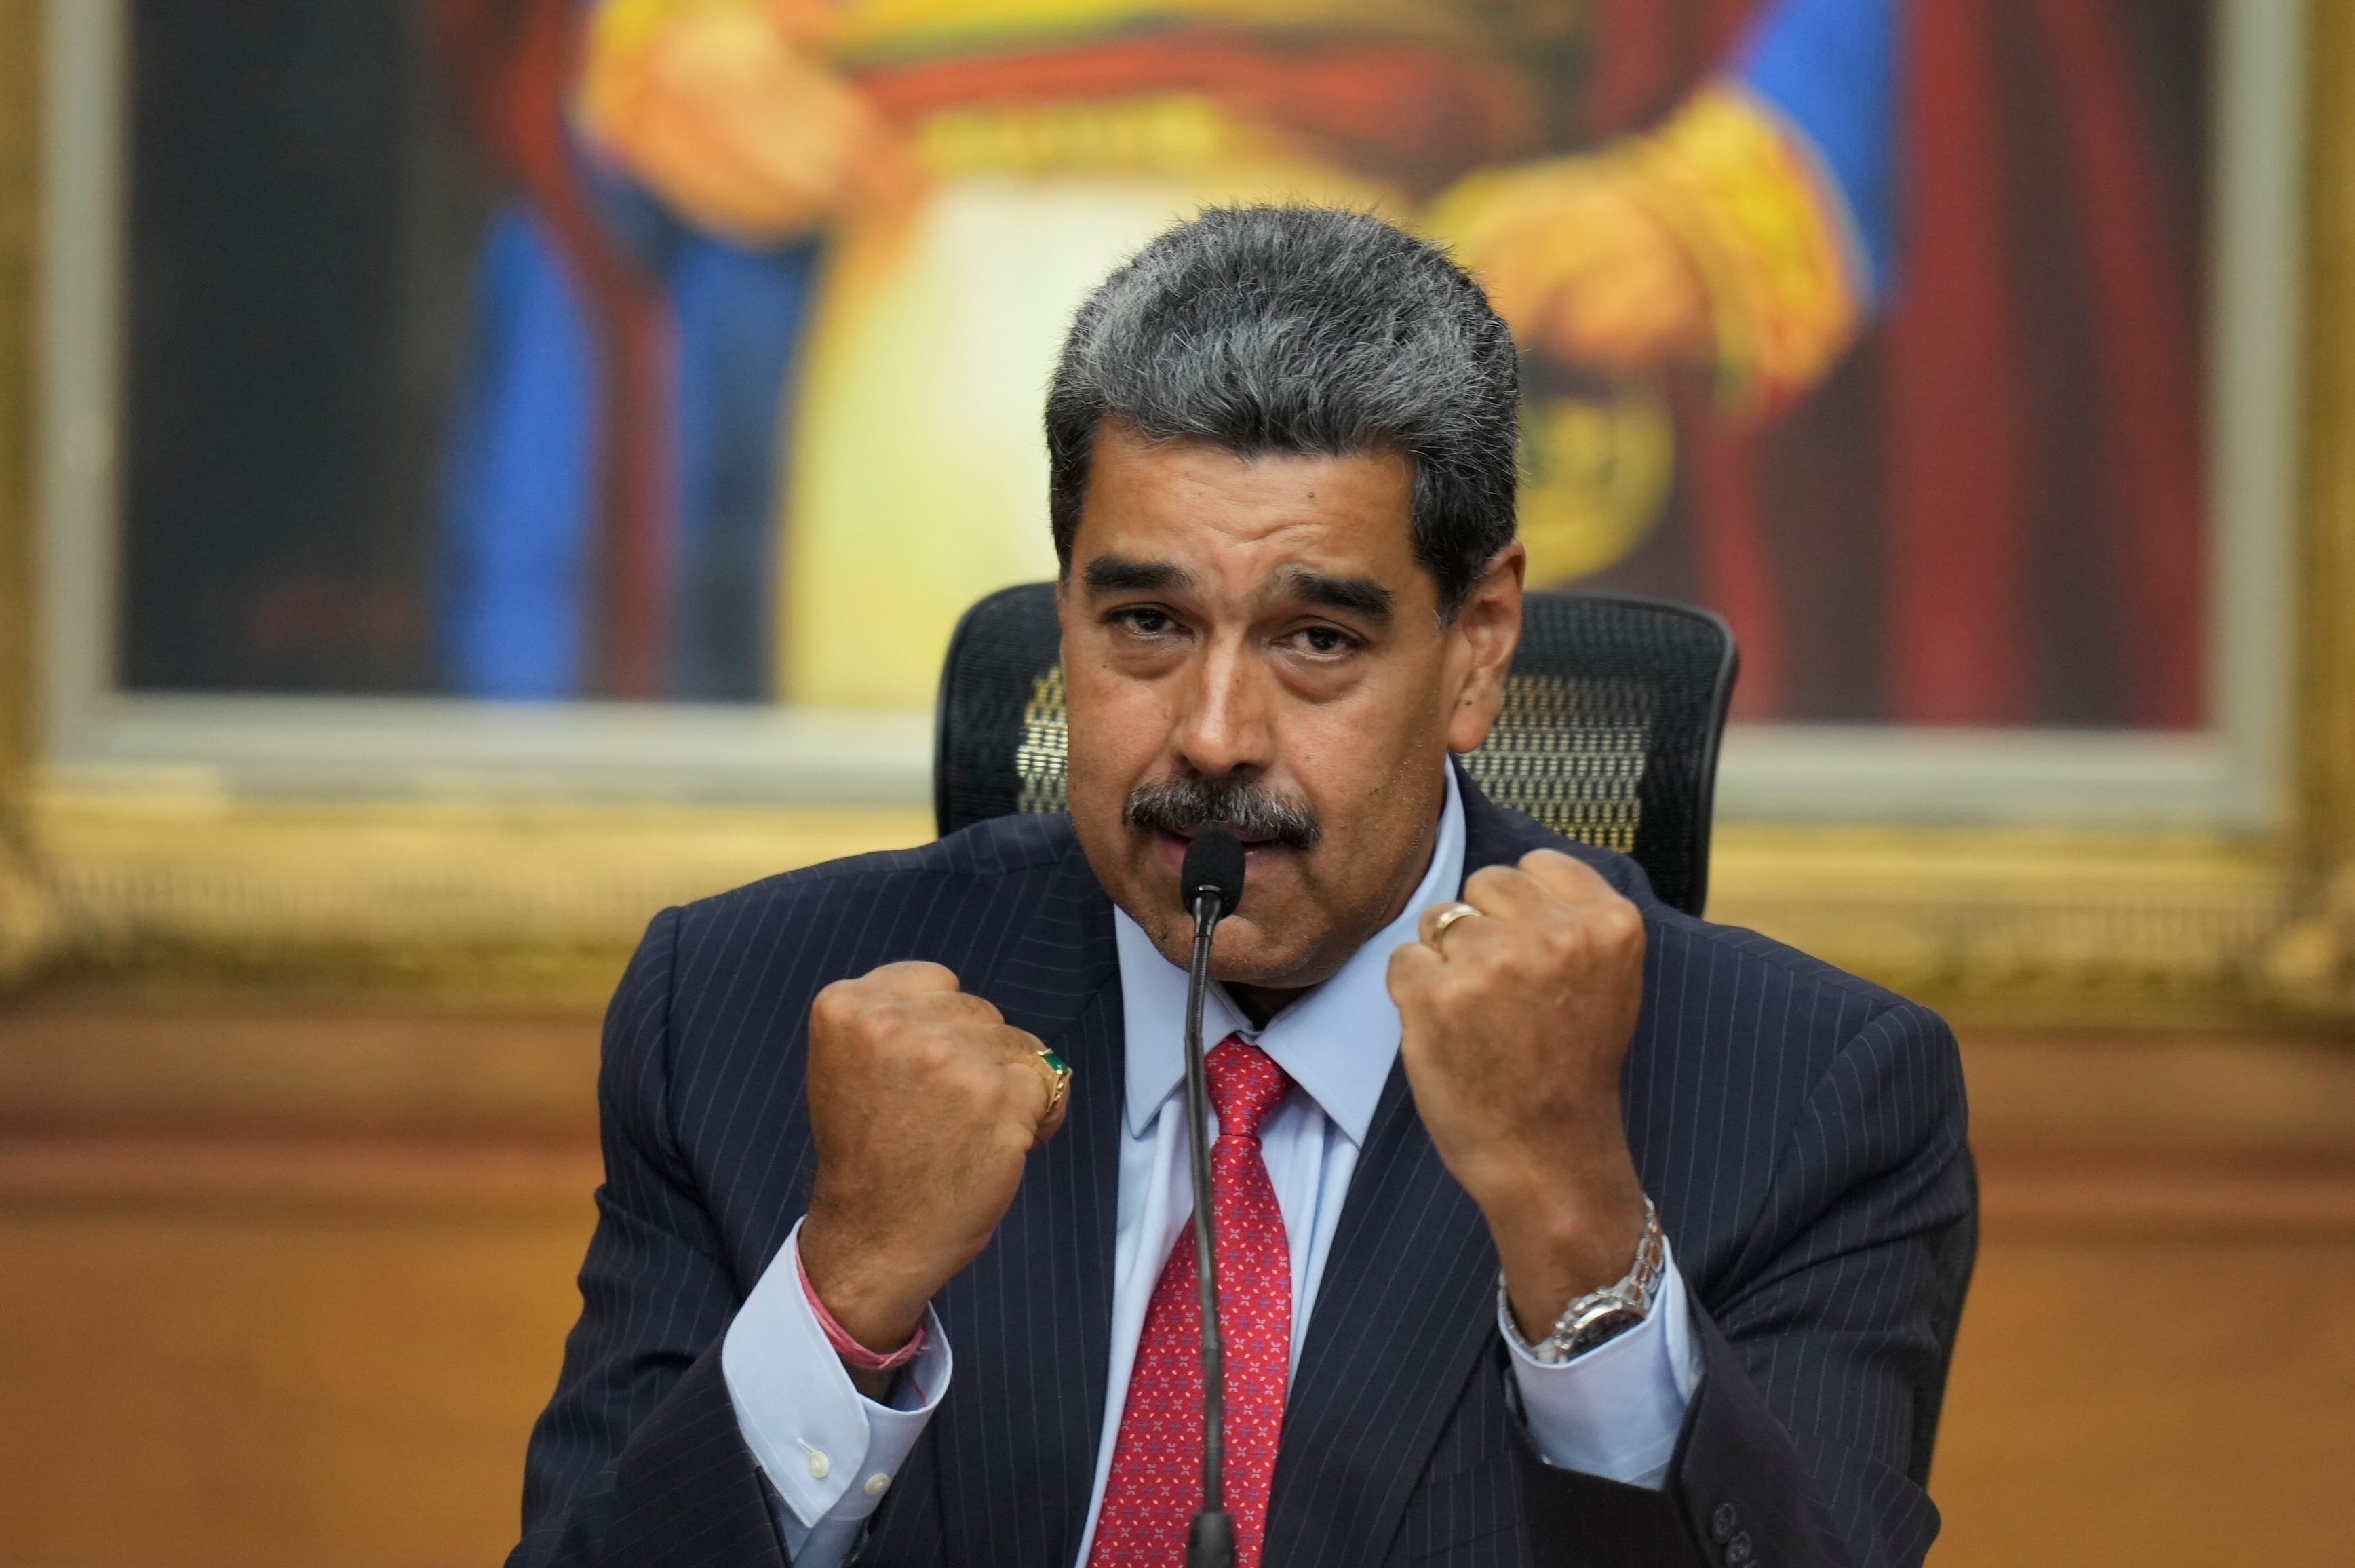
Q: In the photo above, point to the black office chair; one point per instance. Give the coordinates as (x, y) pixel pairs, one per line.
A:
(1613, 711)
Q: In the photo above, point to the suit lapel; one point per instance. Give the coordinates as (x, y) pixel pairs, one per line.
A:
(1406, 1310)
(1032, 1317)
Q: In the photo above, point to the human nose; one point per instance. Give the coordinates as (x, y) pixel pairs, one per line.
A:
(1225, 726)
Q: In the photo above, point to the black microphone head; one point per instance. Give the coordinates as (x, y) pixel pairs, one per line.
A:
(1214, 864)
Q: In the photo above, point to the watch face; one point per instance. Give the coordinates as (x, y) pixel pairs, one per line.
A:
(1602, 1328)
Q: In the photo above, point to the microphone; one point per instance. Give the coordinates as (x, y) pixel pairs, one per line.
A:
(1210, 884)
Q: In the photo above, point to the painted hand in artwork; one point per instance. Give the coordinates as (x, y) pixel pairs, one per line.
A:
(728, 110)
(1579, 266)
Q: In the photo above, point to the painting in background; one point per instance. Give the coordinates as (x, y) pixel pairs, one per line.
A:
(693, 349)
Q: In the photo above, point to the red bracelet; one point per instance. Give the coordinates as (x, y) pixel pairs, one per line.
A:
(850, 1350)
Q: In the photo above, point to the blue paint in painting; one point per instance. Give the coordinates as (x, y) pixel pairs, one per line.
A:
(1830, 66)
(738, 316)
(519, 495)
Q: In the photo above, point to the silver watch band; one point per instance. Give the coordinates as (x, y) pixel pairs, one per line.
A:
(1599, 1315)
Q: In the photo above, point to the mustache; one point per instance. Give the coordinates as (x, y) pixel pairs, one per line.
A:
(1189, 802)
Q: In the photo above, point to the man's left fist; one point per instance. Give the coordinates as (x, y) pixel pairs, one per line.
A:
(1517, 1018)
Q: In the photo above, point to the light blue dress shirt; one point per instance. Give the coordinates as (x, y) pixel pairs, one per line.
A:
(833, 1455)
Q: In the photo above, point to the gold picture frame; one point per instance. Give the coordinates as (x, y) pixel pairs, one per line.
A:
(475, 902)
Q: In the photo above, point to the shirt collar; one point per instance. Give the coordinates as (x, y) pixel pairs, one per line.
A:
(1336, 1043)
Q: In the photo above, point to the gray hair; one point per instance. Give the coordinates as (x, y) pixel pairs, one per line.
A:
(1302, 329)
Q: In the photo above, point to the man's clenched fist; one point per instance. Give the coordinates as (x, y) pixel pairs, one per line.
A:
(923, 1102)
(1517, 1018)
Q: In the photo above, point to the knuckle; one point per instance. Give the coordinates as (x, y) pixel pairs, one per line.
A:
(913, 976)
(1410, 981)
(837, 1007)
(934, 1053)
(1620, 924)
(1491, 879)
(1566, 876)
(1451, 993)
(978, 1092)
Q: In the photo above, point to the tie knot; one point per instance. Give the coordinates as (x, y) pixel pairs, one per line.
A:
(1245, 1084)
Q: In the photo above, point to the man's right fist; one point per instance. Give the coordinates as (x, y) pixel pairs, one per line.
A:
(924, 1103)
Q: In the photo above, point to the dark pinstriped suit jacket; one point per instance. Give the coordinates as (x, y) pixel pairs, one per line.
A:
(1802, 1132)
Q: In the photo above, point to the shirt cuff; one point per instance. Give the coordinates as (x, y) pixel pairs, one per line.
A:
(1615, 1410)
(830, 1452)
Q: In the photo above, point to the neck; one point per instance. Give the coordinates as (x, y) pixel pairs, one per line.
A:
(1261, 1003)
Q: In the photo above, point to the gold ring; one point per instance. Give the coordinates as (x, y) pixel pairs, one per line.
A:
(1448, 917)
(1058, 1078)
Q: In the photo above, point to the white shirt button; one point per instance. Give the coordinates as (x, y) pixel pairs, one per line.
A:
(876, 1483)
(818, 1463)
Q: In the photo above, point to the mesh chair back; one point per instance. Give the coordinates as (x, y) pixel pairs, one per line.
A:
(1613, 711)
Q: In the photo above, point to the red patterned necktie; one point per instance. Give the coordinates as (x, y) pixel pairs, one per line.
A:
(1156, 1485)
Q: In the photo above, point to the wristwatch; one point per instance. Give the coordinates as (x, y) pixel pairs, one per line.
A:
(1599, 1315)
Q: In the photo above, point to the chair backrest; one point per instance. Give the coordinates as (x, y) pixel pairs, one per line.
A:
(1613, 711)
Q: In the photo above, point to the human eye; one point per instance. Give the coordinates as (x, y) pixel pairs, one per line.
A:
(1143, 621)
(1322, 641)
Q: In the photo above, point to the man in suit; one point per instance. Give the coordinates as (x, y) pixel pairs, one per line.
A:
(1554, 1226)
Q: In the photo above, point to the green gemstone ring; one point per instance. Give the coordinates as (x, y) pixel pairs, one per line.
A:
(1058, 1079)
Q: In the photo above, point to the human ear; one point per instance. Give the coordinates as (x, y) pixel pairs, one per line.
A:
(1486, 629)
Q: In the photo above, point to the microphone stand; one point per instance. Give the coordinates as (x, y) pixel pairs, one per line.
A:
(1211, 1543)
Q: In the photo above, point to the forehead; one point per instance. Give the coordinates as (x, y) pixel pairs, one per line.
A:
(1215, 511)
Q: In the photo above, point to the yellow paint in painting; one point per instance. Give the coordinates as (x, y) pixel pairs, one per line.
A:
(920, 475)
(1594, 474)
(877, 30)
(1176, 134)
(1785, 270)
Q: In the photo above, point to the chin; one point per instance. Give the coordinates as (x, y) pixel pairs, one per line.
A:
(1259, 961)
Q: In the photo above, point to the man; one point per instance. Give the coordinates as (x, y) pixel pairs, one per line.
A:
(1555, 1226)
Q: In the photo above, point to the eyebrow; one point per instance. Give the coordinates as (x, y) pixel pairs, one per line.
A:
(1359, 595)
(1117, 574)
